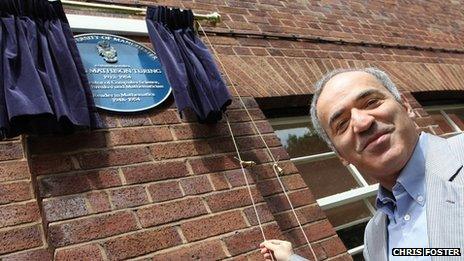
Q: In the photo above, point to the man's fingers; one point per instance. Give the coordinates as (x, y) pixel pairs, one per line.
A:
(275, 241)
(271, 244)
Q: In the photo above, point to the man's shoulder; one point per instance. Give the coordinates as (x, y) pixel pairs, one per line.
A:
(456, 139)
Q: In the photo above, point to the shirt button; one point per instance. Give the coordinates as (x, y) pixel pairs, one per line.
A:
(407, 217)
(420, 198)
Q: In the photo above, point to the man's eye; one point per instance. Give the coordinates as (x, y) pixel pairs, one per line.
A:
(372, 103)
(341, 126)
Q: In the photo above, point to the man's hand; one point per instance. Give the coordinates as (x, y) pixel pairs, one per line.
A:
(279, 249)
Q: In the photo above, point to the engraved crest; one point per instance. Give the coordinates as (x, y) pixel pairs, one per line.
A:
(108, 52)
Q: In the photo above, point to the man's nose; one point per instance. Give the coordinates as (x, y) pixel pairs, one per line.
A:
(361, 120)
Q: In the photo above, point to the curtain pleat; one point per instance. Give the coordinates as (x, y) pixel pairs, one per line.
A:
(43, 82)
(190, 68)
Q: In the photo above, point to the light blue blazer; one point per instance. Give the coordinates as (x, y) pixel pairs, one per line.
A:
(444, 178)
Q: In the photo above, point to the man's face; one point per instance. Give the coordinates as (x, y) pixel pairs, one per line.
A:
(368, 127)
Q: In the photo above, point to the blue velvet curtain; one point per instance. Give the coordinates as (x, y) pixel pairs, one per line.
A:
(43, 86)
(188, 64)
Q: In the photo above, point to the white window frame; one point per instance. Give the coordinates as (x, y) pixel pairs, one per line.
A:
(363, 192)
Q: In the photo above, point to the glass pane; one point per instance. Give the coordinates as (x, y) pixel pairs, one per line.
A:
(373, 200)
(347, 213)
(352, 236)
(457, 116)
(441, 121)
(299, 140)
(326, 177)
(358, 257)
(367, 178)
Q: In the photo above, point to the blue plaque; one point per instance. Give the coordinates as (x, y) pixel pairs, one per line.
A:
(124, 75)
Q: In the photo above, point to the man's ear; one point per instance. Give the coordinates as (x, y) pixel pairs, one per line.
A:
(408, 108)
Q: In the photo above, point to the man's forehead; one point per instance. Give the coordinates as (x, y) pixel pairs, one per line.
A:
(346, 85)
(352, 79)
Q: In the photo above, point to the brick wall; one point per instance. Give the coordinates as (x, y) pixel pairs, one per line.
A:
(155, 186)
(21, 228)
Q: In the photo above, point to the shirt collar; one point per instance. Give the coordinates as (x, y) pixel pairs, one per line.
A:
(411, 179)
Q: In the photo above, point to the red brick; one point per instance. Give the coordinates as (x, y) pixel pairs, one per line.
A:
(165, 117)
(259, 156)
(314, 231)
(219, 181)
(16, 239)
(236, 179)
(47, 164)
(292, 182)
(298, 198)
(98, 201)
(249, 102)
(212, 225)
(242, 51)
(280, 153)
(113, 157)
(165, 191)
(11, 150)
(134, 120)
(78, 182)
(14, 170)
(90, 228)
(333, 246)
(128, 197)
(40, 254)
(237, 245)
(179, 149)
(264, 214)
(64, 208)
(304, 251)
(196, 185)
(141, 243)
(154, 171)
(14, 192)
(225, 144)
(69, 143)
(264, 127)
(195, 130)
(170, 211)
(139, 135)
(259, 51)
(269, 187)
(222, 40)
(109, 121)
(213, 164)
(85, 252)
(306, 214)
(232, 199)
(16, 214)
(209, 250)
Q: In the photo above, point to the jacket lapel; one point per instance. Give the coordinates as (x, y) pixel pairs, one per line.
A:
(445, 196)
(378, 242)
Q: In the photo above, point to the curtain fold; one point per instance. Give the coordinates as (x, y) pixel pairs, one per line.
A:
(190, 68)
(43, 85)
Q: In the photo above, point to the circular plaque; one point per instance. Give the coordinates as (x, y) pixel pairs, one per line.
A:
(124, 75)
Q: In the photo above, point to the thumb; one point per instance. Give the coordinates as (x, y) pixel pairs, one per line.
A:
(271, 245)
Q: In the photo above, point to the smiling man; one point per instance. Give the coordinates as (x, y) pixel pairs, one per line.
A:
(420, 202)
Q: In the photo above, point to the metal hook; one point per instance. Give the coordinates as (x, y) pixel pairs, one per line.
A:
(246, 164)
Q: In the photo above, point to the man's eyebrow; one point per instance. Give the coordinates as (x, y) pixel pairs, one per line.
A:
(360, 96)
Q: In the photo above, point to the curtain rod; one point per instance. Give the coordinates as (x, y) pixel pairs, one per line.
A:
(214, 17)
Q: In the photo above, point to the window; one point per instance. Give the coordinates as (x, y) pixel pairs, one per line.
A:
(450, 118)
(343, 193)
